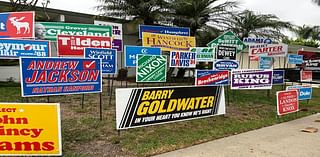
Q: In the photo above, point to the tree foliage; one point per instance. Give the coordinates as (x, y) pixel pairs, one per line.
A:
(247, 23)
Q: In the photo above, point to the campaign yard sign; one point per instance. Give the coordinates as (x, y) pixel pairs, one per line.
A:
(295, 59)
(151, 68)
(305, 76)
(204, 54)
(212, 77)
(50, 30)
(181, 31)
(311, 60)
(269, 50)
(228, 39)
(287, 102)
(137, 107)
(17, 24)
(251, 79)
(30, 129)
(117, 41)
(265, 62)
(108, 56)
(131, 53)
(224, 64)
(253, 41)
(57, 76)
(278, 77)
(226, 52)
(73, 46)
(304, 92)
(15, 48)
(168, 42)
(183, 59)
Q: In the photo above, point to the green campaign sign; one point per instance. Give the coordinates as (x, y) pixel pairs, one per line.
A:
(50, 30)
(204, 54)
(151, 68)
(228, 39)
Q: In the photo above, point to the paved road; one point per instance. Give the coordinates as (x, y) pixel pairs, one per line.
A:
(282, 140)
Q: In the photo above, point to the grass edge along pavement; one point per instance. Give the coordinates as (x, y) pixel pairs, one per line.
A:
(82, 129)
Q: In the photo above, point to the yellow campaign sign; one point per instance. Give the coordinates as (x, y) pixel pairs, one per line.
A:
(168, 42)
(29, 129)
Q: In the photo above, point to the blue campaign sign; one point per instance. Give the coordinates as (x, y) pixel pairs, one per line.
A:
(226, 64)
(305, 93)
(295, 59)
(265, 62)
(108, 56)
(132, 51)
(181, 31)
(42, 76)
(278, 77)
(15, 48)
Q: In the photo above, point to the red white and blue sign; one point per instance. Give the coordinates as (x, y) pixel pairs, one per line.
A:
(183, 59)
(226, 64)
(56, 76)
(15, 48)
(278, 77)
(131, 53)
(181, 31)
(108, 56)
(212, 77)
(17, 24)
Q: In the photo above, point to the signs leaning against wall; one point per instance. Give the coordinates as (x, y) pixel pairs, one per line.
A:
(136, 107)
(30, 129)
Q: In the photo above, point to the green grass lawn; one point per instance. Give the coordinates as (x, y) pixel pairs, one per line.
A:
(85, 135)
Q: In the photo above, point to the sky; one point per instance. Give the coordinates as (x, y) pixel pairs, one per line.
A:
(298, 12)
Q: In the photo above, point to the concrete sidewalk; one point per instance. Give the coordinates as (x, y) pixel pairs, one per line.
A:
(281, 140)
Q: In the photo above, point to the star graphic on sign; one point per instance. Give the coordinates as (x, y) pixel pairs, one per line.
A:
(21, 110)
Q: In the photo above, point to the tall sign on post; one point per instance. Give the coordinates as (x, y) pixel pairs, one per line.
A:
(228, 39)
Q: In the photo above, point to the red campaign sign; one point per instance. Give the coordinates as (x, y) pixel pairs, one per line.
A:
(287, 102)
(17, 25)
(306, 76)
(254, 58)
(71, 45)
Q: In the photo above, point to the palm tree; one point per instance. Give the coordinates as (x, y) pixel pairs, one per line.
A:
(317, 2)
(196, 14)
(307, 32)
(248, 23)
(149, 11)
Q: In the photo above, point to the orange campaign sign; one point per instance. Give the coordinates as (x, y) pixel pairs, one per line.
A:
(29, 129)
